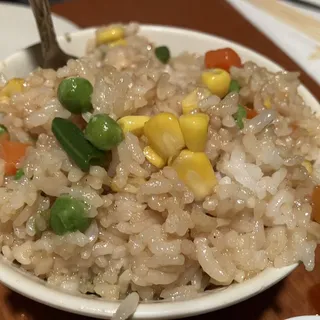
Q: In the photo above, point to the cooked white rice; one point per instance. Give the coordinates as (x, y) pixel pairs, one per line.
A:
(152, 237)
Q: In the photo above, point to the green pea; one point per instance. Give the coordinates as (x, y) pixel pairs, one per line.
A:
(240, 115)
(68, 215)
(103, 132)
(75, 95)
(162, 53)
(19, 174)
(3, 129)
(234, 86)
(74, 143)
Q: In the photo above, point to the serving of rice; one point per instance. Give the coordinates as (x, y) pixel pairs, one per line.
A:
(148, 233)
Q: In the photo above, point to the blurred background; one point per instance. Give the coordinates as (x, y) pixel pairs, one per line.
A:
(26, 1)
(25, 32)
(293, 25)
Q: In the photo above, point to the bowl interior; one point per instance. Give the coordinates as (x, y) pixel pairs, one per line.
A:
(178, 40)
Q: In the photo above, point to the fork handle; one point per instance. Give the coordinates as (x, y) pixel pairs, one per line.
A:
(42, 14)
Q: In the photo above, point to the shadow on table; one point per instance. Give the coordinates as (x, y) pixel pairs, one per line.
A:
(313, 297)
(29, 309)
(251, 309)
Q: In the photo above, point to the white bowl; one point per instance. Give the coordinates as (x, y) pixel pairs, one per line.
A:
(305, 318)
(178, 40)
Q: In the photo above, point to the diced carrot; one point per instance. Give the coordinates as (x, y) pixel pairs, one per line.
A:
(12, 152)
(222, 58)
(315, 201)
(10, 169)
(4, 136)
(251, 113)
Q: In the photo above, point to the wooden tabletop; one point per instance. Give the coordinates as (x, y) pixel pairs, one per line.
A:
(299, 294)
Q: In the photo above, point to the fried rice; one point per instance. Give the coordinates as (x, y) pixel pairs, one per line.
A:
(150, 233)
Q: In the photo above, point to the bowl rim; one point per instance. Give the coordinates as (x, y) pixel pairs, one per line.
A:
(315, 317)
(31, 287)
(27, 285)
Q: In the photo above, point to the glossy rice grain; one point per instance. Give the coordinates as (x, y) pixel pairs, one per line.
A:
(149, 235)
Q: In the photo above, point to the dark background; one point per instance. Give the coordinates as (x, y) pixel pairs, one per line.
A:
(26, 1)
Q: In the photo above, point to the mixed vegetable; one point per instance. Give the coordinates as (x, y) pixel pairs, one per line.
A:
(11, 152)
(19, 174)
(4, 134)
(75, 95)
(103, 132)
(68, 215)
(74, 143)
(179, 142)
(110, 35)
(234, 86)
(240, 115)
(162, 53)
(222, 58)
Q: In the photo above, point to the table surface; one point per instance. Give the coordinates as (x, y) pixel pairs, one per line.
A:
(298, 294)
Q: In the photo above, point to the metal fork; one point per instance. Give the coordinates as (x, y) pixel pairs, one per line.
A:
(52, 55)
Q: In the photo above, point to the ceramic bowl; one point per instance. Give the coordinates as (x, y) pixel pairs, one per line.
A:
(178, 40)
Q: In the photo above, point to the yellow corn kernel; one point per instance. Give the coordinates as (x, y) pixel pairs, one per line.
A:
(217, 81)
(195, 170)
(4, 99)
(133, 124)
(194, 128)
(132, 186)
(120, 42)
(307, 164)
(13, 86)
(114, 187)
(4, 104)
(267, 103)
(153, 157)
(107, 35)
(164, 135)
(191, 101)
